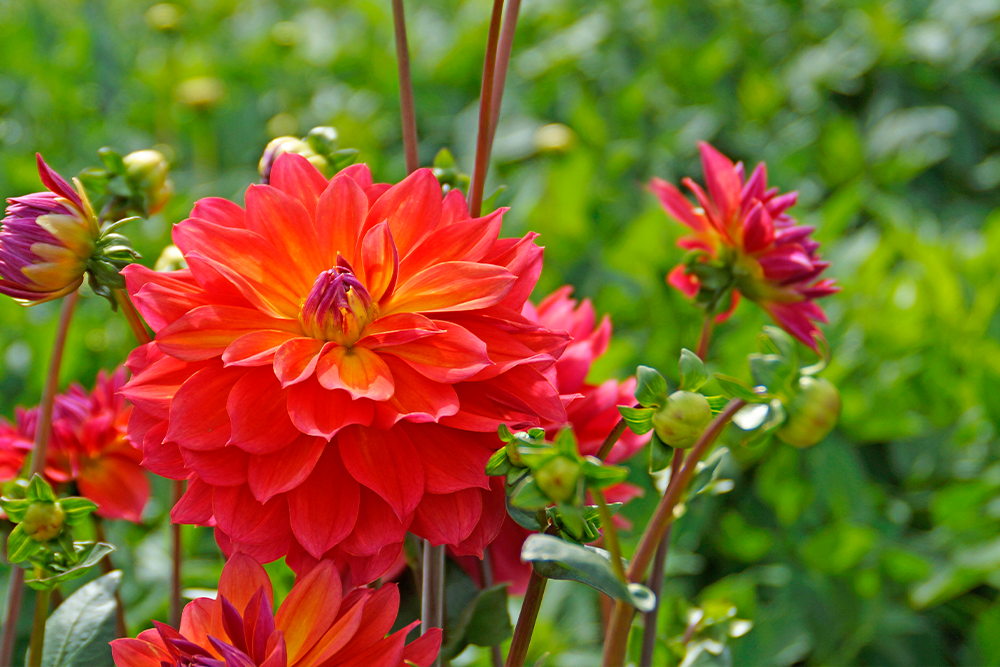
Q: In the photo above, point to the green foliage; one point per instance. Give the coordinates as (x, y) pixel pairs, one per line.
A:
(78, 632)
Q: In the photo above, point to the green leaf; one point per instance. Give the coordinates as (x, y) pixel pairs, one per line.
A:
(558, 559)
(498, 464)
(39, 489)
(660, 454)
(771, 371)
(734, 388)
(639, 420)
(565, 443)
(77, 509)
(571, 520)
(88, 558)
(504, 433)
(650, 387)
(15, 508)
(485, 621)
(528, 496)
(490, 201)
(20, 547)
(706, 475)
(111, 159)
(693, 373)
(601, 475)
(717, 403)
(524, 518)
(774, 340)
(78, 631)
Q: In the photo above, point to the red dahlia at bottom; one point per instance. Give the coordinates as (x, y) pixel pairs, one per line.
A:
(330, 371)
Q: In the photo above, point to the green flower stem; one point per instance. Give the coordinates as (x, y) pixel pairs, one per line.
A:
(406, 105)
(432, 600)
(37, 459)
(610, 534)
(38, 628)
(483, 143)
(655, 581)
(132, 317)
(616, 641)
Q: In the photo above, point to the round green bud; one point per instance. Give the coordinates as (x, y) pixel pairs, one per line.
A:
(148, 169)
(683, 419)
(812, 413)
(513, 455)
(43, 521)
(557, 478)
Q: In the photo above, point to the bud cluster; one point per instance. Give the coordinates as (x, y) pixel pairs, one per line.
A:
(134, 185)
(319, 147)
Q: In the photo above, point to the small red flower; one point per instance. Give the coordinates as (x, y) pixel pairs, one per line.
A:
(315, 626)
(330, 371)
(592, 412)
(87, 447)
(744, 227)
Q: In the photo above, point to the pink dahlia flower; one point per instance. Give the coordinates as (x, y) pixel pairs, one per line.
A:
(743, 226)
(330, 371)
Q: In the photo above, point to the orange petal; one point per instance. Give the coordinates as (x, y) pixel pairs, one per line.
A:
(340, 214)
(285, 222)
(323, 412)
(397, 329)
(412, 208)
(295, 176)
(467, 241)
(241, 577)
(454, 209)
(358, 370)
(452, 286)
(449, 357)
(220, 211)
(296, 360)
(117, 484)
(379, 262)
(207, 331)
(257, 412)
(310, 609)
(271, 474)
(201, 619)
(198, 417)
(336, 638)
(416, 398)
(256, 348)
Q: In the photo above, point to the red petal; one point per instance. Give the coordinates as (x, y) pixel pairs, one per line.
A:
(339, 635)
(274, 547)
(358, 370)
(388, 651)
(454, 209)
(449, 357)
(677, 205)
(288, 225)
(723, 182)
(242, 576)
(157, 379)
(256, 348)
(493, 517)
(309, 610)
(377, 526)
(379, 262)
(415, 398)
(378, 615)
(296, 360)
(295, 176)
(195, 506)
(220, 211)
(467, 241)
(339, 216)
(412, 208)
(324, 508)
(359, 173)
(452, 459)
(684, 282)
(220, 467)
(449, 518)
(207, 331)
(137, 653)
(323, 412)
(451, 286)
(159, 457)
(258, 412)
(244, 519)
(423, 650)
(271, 474)
(758, 230)
(397, 329)
(364, 570)
(198, 417)
(118, 486)
(385, 462)
(524, 260)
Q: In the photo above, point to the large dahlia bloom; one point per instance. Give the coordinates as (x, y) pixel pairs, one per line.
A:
(331, 369)
(87, 447)
(46, 241)
(743, 226)
(315, 626)
(592, 414)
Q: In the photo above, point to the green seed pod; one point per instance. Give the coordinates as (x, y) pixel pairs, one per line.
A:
(683, 419)
(812, 413)
(43, 521)
(557, 479)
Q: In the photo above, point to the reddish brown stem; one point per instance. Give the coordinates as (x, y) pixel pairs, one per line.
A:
(706, 336)
(486, 577)
(616, 641)
(132, 316)
(526, 620)
(406, 104)
(107, 566)
(176, 491)
(512, 9)
(609, 442)
(483, 138)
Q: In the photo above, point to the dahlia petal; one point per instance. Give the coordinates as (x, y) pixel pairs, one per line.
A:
(256, 348)
(336, 637)
(288, 225)
(309, 610)
(378, 615)
(277, 655)
(340, 214)
(412, 208)
(163, 297)
(359, 173)
(449, 518)
(388, 651)
(324, 508)
(207, 331)
(226, 466)
(415, 399)
(272, 548)
(481, 410)
(278, 472)
(524, 260)
(467, 241)
(677, 205)
(358, 370)
(297, 177)
(268, 299)
(260, 631)
(758, 230)
(574, 364)
(220, 212)
(198, 417)
(137, 653)
(195, 506)
(787, 262)
(162, 457)
(452, 459)
(377, 526)
(423, 650)
(258, 413)
(324, 412)
(723, 182)
(755, 187)
(364, 570)
(296, 360)
(524, 388)
(683, 281)
(397, 329)
(387, 463)
(451, 286)
(451, 356)
(244, 519)
(493, 517)
(117, 485)
(379, 262)
(454, 209)
(56, 183)
(200, 619)
(242, 576)
(793, 318)
(734, 301)
(152, 389)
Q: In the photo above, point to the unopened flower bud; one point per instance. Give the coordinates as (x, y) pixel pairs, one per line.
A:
(683, 419)
(812, 413)
(557, 478)
(43, 521)
(147, 171)
(282, 145)
(171, 259)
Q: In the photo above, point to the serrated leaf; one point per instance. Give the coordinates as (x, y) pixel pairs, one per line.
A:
(485, 621)
(559, 559)
(650, 387)
(78, 631)
(693, 373)
(734, 388)
(638, 420)
(89, 557)
(498, 464)
(20, 547)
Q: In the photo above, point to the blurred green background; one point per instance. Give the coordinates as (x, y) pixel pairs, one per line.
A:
(880, 546)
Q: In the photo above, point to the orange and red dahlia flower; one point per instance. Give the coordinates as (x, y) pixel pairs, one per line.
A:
(744, 227)
(87, 447)
(330, 370)
(592, 413)
(317, 625)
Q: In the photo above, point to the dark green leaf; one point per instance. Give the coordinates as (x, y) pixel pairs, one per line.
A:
(601, 475)
(485, 621)
(78, 632)
(528, 496)
(693, 373)
(524, 518)
(660, 454)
